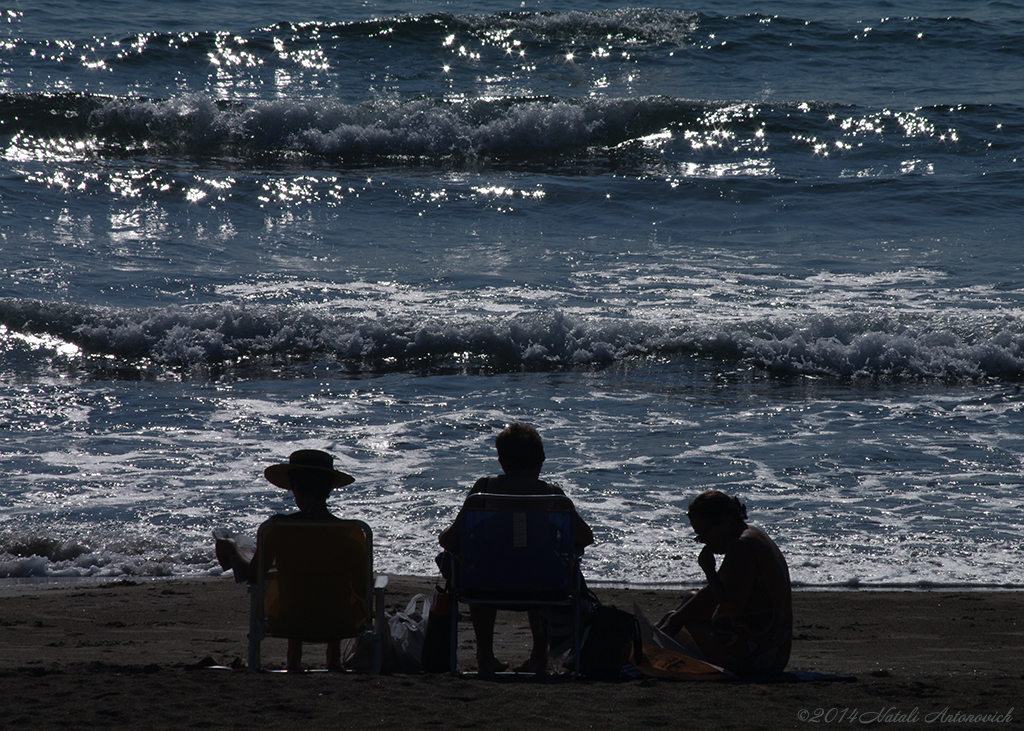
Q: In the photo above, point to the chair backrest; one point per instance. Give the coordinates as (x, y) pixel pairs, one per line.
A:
(517, 547)
(316, 578)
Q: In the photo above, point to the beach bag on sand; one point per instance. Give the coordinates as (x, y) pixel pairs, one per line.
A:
(611, 642)
(402, 639)
(437, 644)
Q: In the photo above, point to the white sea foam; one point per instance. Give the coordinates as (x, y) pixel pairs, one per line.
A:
(851, 336)
(895, 498)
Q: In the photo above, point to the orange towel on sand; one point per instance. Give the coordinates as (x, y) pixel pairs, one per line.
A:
(661, 663)
(666, 657)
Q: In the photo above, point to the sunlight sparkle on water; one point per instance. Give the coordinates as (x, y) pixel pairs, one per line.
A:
(40, 342)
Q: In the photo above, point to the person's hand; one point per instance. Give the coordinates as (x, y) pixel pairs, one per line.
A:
(663, 622)
(706, 560)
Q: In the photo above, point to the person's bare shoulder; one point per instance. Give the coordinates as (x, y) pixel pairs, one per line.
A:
(480, 485)
(754, 536)
(750, 549)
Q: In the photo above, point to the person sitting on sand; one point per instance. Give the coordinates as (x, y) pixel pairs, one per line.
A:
(743, 619)
(310, 476)
(521, 456)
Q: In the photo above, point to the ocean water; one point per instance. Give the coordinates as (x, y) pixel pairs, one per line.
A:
(772, 248)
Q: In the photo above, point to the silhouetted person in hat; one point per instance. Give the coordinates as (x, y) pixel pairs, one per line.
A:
(310, 476)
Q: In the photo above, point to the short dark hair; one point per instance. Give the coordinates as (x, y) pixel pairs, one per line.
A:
(520, 448)
(715, 506)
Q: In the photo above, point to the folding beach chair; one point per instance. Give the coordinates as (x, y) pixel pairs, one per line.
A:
(517, 552)
(316, 584)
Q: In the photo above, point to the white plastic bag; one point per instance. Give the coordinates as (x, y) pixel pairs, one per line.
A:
(401, 641)
(408, 630)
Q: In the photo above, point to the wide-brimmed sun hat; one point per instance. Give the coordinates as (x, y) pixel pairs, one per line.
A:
(306, 459)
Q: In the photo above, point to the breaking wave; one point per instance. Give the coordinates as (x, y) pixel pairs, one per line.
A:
(157, 340)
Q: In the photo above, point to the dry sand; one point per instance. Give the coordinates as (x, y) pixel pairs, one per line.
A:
(129, 655)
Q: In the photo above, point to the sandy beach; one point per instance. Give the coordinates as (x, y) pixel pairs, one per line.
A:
(132, 655)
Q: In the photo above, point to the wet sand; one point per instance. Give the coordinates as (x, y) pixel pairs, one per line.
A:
(133, 655)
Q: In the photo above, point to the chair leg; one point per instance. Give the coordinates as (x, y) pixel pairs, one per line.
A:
(455, 636)
(378, 629)
(255, 635)
(576, 638)
(254, 653)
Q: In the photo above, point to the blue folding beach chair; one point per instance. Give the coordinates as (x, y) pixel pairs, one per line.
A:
(517, 552)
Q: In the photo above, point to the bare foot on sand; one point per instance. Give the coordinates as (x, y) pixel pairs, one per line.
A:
(491, 666)
(535, 665)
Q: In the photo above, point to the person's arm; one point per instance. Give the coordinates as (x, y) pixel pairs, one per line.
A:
(732, 584)
(694, 608)
(584, 533)
(449, 538)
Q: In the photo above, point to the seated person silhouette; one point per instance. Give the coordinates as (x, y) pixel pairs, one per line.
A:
(743, 619)
(310, 476)
(521, 456)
